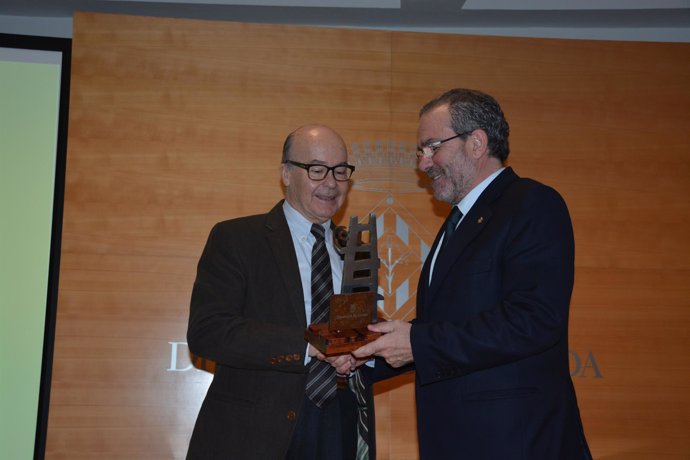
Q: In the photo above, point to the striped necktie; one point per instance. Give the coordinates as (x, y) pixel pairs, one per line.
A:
(357, 386)
(321, 380)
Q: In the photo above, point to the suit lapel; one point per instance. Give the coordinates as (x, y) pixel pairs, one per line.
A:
(472, 225)
(423, 284)
(280, 241)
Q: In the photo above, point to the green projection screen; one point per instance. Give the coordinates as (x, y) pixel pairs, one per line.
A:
(34, 86)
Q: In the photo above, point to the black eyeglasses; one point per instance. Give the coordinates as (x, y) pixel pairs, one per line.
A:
(430, 149)
(341, 172)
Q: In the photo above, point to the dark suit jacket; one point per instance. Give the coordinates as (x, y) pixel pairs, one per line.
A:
(247, 315)
(490, 341)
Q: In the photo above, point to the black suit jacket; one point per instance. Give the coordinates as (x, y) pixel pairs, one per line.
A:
(490, 340)
(247, 314)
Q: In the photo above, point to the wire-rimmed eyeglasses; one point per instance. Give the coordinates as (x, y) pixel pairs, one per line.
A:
(430, 149)
(341, 172)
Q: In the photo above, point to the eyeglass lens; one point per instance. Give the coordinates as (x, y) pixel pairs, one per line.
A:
(319, 172)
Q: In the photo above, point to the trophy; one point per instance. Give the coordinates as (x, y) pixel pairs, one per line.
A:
(355, 307)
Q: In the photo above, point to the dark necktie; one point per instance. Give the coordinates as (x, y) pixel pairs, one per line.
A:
(357, 386)
(321, 381)
(450, 224)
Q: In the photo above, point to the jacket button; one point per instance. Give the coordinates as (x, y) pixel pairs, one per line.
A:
(291, 415)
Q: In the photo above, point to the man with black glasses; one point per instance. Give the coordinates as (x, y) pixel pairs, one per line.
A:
(489, 344)
(261, 279)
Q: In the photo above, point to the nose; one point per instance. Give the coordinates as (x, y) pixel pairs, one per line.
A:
(330, 178)
(424, 163)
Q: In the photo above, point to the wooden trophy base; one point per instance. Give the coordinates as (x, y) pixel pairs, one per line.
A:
(338, 342)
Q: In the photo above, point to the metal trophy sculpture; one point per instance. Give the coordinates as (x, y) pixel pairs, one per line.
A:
(355, 307)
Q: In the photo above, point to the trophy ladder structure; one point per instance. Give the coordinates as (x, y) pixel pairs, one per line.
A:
(355, 307)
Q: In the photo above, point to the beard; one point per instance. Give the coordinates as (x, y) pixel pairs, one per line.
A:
(453, 181)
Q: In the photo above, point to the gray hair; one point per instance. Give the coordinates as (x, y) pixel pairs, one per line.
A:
(471, 109)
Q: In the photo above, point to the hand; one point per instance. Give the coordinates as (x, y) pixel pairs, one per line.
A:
(394, 345)
(315, 353)
(344, 364)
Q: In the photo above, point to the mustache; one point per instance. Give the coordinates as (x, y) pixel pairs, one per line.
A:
(434, 171)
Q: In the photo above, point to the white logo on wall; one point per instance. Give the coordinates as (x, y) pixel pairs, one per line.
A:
(387, 170)
(582, 365)
(181, 360)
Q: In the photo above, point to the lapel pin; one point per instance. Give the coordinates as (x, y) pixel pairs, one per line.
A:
(480, 220)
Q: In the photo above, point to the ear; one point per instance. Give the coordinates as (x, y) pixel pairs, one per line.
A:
(284, 174)
(478, 143)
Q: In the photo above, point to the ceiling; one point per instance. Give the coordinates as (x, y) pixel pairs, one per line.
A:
(643, 18)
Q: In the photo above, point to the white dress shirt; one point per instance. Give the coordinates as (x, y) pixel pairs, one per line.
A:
(303, 240)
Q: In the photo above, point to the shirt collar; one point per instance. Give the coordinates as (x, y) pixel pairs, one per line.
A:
(466, 203)
(299, 224)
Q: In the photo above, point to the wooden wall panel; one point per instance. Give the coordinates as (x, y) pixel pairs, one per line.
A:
(177, 124)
